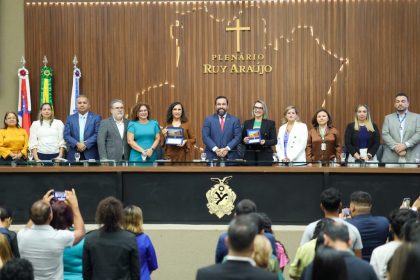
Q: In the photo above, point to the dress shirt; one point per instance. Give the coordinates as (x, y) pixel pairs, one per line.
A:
(120, 126)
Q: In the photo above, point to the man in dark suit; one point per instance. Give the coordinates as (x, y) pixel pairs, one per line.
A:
(239, 264)
(221, 132)
(112, 135)
(81, 130)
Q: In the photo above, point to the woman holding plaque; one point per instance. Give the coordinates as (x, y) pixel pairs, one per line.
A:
(46, 140)
(292, 137)
(13, 140)
(259, 136)
(323, 139)
(362, 136)
(143, 135)
(178, 134)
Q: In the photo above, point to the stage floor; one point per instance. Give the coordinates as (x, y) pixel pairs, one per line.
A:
(177, 194)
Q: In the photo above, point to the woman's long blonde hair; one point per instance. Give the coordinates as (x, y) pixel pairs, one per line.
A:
(133, 219)
(262, 251)
(369, 124)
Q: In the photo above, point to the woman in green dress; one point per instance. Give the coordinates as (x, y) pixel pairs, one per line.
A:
(143, 135)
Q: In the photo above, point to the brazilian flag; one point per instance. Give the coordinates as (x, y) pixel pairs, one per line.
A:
(46, 86)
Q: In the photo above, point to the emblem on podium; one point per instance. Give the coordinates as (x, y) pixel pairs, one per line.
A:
(220, 197)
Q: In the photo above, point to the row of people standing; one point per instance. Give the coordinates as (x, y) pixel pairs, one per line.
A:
(116, 138)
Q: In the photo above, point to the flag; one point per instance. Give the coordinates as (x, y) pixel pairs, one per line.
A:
(24, 103)
(75, 90)
(46, 86)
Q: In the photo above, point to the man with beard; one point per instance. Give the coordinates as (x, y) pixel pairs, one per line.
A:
(401, 133)
(112, 135)
(221, 132)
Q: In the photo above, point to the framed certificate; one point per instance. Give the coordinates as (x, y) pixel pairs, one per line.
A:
(254, 135)
(174, 136)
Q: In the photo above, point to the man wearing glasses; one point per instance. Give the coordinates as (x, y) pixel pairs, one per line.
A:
(112, 135)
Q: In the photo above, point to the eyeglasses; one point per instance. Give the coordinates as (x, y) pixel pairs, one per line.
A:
(258, 108)
(118, 108)
(142, 111)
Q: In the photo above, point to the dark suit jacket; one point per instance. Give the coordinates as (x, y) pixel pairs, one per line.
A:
(352, 140)
(71, 135)
(232, 270)
(257, 152)
(111, 255)
(110, 143)
(213, 135)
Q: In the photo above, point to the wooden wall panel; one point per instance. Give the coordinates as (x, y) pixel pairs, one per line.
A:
(127, 50)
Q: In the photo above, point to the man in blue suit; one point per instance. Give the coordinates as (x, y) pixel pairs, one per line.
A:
(222, 132)
(81, 130)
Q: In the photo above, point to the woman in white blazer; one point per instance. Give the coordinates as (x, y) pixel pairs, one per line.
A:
(292, 137)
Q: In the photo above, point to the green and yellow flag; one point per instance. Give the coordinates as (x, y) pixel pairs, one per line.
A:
(46, 86)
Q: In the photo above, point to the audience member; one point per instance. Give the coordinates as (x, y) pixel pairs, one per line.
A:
(73, 256)
(405, 264)
(280, 249)
(133, 221)
(5, 222)
(336, 236)
(263, 257)
(221, 132)
(81, 131)
(17, 269)
(400, 133)
(331, 205)
(245, 206)
(373, 229)
(112, 134)
(306, 253)
(411, 230)
(239, 264)
(328, 264)
(5, 250)
(42, 245)
(382, 254)
(110, 252)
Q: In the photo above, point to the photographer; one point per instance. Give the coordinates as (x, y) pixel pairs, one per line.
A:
(42, 245)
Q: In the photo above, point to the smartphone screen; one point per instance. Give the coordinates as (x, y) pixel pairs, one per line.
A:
(60, 196)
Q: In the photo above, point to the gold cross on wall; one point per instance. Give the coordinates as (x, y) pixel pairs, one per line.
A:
(238, 30)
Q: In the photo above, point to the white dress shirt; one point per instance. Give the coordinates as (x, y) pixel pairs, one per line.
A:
(46, 138)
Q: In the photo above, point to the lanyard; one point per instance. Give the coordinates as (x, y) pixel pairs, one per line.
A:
(322, 132)
(401, 120)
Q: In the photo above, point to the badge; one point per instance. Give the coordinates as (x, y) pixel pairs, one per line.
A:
(323, 146)
(220, 197)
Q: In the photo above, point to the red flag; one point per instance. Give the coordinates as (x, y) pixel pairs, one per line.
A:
(24, 106)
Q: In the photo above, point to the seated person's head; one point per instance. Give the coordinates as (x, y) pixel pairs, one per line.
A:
(5, 250)
(266, 222)
(331, 200)
(328, 265)
(319, 231)
(411, 230)
(133, 219)
(110, 214)
(245, 206)
(62, 215)
(41, 213)
(17, 269)
(397, 219)
(5, 216)
(241, 234)
(405, 263)
(360, 202)
(336, 235)
(262, 251)
(258, 221)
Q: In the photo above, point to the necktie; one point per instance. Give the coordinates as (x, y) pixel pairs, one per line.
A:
(222, 123)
